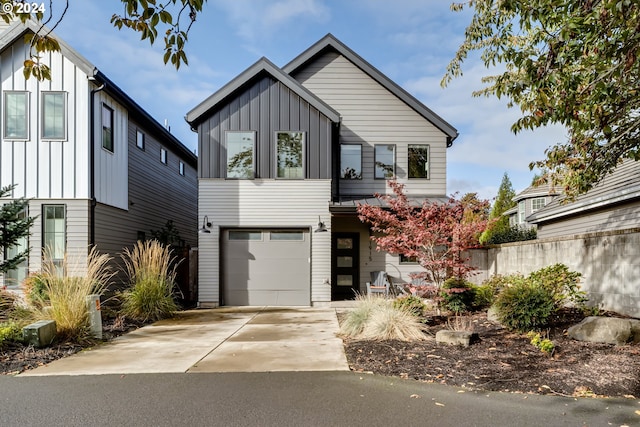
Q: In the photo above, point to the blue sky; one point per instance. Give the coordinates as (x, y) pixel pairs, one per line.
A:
(411, 41)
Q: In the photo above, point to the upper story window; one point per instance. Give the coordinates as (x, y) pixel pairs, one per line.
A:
(537, 203)
(140, 140)
(290, 155)
(163, 156)
(16, 115)
(521, 211)
(54, 115)
(385, 159)
(240, 154)
(181, 168)
(419, 161)
(351, 161)
(107, 128)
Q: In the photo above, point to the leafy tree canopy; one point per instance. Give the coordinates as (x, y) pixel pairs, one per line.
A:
(172, 19)
(570, 62)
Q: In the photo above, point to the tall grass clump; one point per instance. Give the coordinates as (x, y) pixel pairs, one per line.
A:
(354, 322)
(69, 286)
(152, 280)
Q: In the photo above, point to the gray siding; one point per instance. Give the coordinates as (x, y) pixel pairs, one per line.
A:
(266, 106)
(373, 115)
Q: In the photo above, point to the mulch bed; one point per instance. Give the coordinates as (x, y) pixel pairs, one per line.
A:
(506, 361)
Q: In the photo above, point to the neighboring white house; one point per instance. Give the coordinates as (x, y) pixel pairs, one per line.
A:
(529, 201)
(285, 156)
(97, 168)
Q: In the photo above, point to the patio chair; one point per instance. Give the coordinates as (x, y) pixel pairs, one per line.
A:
(380, 283)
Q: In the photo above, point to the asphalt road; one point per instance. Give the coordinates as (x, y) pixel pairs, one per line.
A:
(286, 399)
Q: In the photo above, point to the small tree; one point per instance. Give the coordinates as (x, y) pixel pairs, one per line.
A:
(13, 226)
(503, 202)
(435, 233)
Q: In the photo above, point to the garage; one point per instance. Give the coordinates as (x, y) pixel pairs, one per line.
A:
(266, 267)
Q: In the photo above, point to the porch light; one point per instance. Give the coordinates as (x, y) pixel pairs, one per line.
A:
(321, 227)
(205, 225)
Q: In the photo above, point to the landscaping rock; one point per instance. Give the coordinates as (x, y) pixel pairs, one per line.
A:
(40, 334)
(464, 338)
(492, 315)
(609, 330)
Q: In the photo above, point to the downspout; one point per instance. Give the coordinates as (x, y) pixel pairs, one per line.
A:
(92, 157)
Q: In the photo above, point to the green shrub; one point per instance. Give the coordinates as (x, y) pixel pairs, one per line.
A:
(483, 297)
(511, 234)
(410, 303)
(35, 290)
(10, 332)
(545, 345)
(525, 306)
(457, 295)
(151, 296)
(498, 281)
(561, 283)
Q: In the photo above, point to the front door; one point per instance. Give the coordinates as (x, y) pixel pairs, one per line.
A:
(345, 265)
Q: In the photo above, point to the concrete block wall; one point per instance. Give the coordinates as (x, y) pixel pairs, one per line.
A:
(609, 263)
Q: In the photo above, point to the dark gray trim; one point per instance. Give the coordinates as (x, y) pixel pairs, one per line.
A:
(202, 111)
(329, 42)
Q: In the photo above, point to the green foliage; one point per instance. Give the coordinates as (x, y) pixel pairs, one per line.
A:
(498, 282)
(13, 227)
(545, 345)
(411, 304)
(167, 235)
(152, 280)
(503, 202)
(10, 331)
(510, 234)
(561, 283)
(524, 306)
(572, 63)
(457, 295)
(483, 297)
(34, 287)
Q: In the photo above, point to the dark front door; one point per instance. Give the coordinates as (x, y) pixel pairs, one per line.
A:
(345, 265)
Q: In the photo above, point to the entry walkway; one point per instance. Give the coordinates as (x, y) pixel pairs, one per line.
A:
(243, 339)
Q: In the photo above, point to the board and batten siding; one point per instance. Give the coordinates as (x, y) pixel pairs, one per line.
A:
(263, 204)
(373, 115)
(46, 168)
(266, 107)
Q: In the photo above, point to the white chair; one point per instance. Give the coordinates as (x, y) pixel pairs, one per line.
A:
(380, 283)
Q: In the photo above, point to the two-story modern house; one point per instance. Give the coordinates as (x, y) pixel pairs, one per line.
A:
(97, 168)
(286, 155)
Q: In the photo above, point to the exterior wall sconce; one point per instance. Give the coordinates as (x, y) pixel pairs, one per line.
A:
(321, 227)
(205, 225)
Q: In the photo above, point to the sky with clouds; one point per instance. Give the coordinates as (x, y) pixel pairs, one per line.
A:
(411, 41)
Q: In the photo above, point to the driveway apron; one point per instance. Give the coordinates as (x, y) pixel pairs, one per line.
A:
(229, 339)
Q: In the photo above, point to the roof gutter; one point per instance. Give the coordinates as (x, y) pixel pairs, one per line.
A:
(92, 154)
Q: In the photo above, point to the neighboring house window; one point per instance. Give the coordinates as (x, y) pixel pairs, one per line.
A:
(240, 155)
(537, 204)
(521, 211)
(107, 128)
(163, 156)
(13, 278)
(351, 161)
(54, 233)
(181, 168)
(140, 140)
(54, 116)
(385, 158)
(290, 155)
(419, 161)
(16, 115)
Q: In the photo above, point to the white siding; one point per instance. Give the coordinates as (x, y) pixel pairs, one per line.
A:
(373, 115)
(43, 168)
(263, 203)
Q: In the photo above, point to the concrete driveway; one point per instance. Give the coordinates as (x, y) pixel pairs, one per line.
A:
(241, 339)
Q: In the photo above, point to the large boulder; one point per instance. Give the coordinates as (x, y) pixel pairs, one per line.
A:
(463, 338)
(610, 330)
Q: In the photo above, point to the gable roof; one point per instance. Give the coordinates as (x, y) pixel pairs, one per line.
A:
(330, 43)
(262, 66)
(621, 186)
(18, 29)
(534, 191)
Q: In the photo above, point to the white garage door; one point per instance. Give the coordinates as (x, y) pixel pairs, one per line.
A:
(266, 267)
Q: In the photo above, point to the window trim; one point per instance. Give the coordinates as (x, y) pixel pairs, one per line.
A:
(253, 154)
(304, 152)
(537, 199)
(522, 211)
(141, 140)
(428, 166)
(65, 97)
(375, 161)
(57, 261)
(27, 99)
(104, 108)
(181, 168)
(164, 156)
(341, 172)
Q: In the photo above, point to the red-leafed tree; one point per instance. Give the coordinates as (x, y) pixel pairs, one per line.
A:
(436, 234)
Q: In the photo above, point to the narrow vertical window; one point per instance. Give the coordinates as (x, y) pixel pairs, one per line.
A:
(351, 161)
(521, 211)
(54, 233)
(240, 155)
(16, 115)
(181, 168)
(163, 156)
(385, 158)
(54, 116)
(290, 155)
(140, 140)
(107, 128)
(419, 161)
